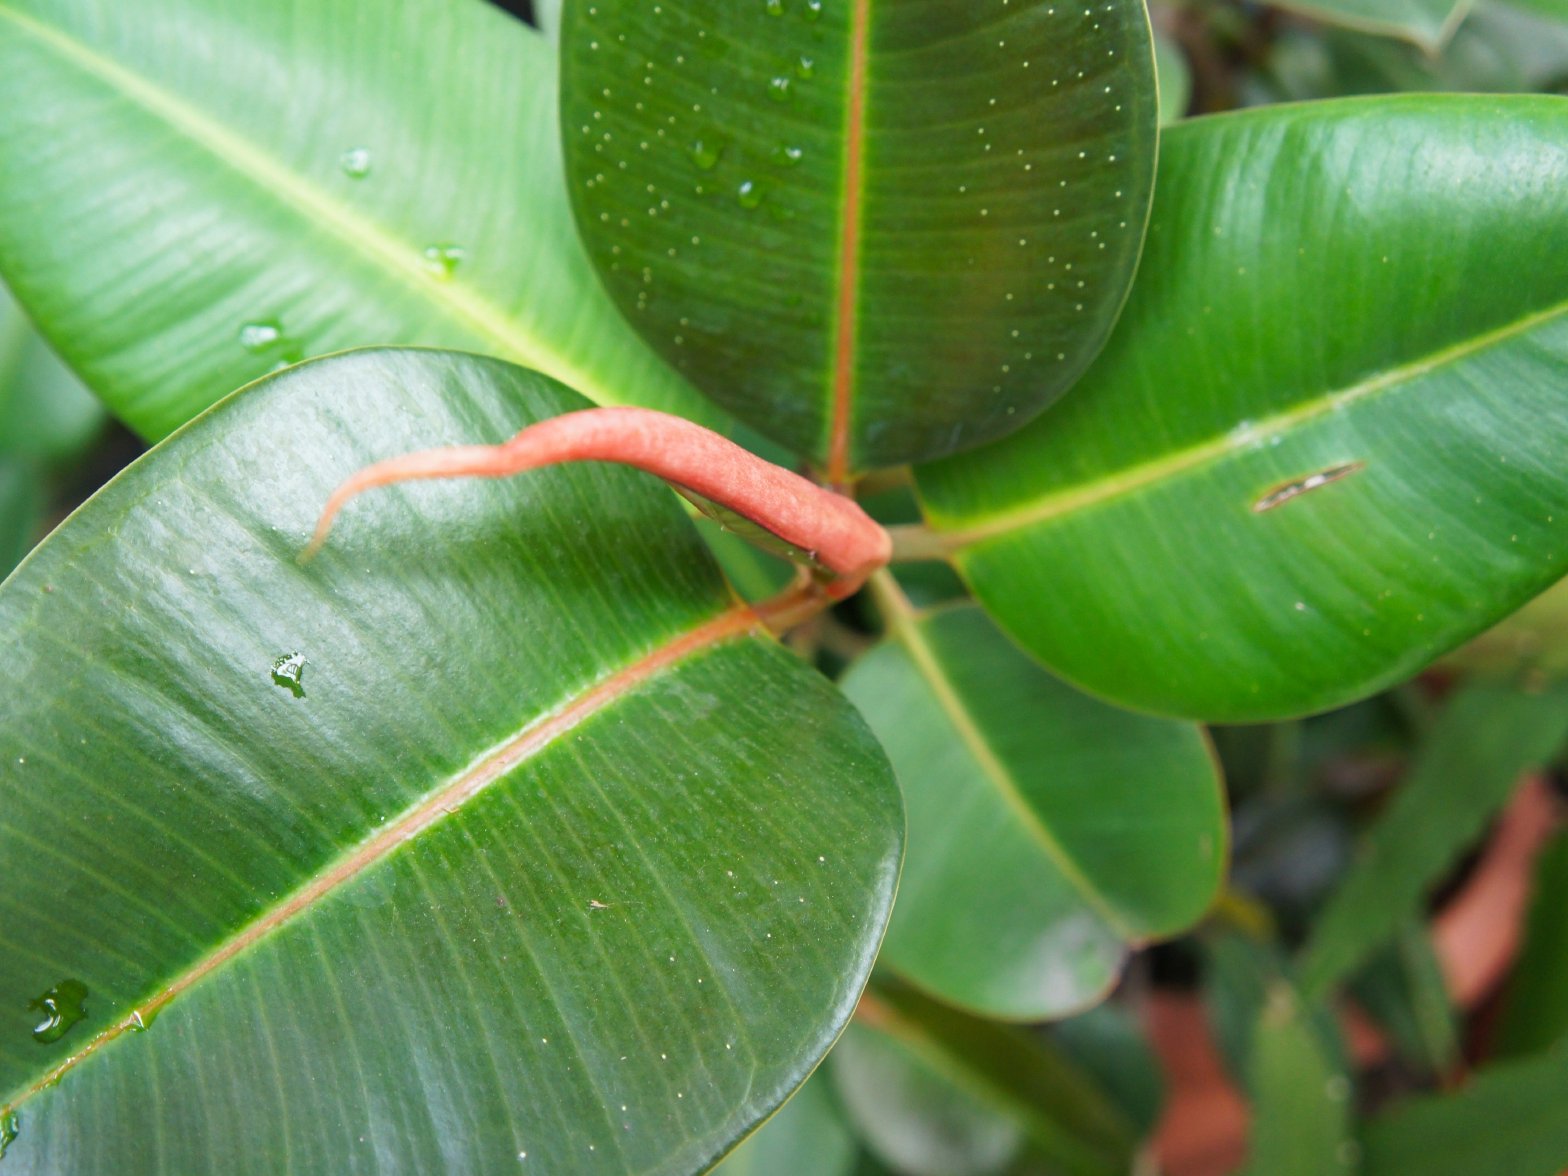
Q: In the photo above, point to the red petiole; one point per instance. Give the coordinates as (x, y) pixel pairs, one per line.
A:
(839, 537)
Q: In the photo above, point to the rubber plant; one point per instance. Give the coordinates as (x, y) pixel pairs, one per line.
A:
(491, 827)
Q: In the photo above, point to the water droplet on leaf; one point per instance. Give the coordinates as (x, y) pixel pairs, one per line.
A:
(706, 154)
(62, 1006)
(355, 162)
(749, 195)
(289, 672)
(258, 337)
(10, 1124)
(441, 261)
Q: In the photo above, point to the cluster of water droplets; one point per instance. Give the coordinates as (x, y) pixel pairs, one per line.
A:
(1035, 209)
(268, 338)
(716, 166)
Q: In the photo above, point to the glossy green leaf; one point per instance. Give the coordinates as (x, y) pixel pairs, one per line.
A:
(1486, 738)
(1048, 832)
(876, 231)
(1535, 1016)
(44, 411)
(491, 831)
(936, 1092)
(1300, 1098)
(194, 192)
(808, 1135)
(1427, 23)
(1324, 445)
(1508, 1121)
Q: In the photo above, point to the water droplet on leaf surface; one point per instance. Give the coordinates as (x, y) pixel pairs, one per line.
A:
(289, 672)
(441, 261)
(258, 337)
(62, 1006)
(10, 1125)
(355, 162)
(705, 154)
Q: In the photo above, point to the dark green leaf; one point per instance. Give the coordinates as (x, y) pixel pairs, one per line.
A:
(1486, 738)
(522, 848)
(21, 509)
(1047, 831)
(1508, 1122)
(807, 1136)
(1324, 445)
(1500, 48)
(1300, 1098)
(1403, 989)
(1241, 973)
(937, 1092)
(1427, 23)
(1109, 1045)
(44, 411)
(194, 192)
(875, 231)
(1536, 1014)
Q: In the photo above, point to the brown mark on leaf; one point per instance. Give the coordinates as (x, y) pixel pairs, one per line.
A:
(1280, 495)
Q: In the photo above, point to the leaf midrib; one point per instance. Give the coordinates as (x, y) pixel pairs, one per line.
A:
(1060, 504)
(845, 340)
(907, 631)
(399, 259)
(486, 769)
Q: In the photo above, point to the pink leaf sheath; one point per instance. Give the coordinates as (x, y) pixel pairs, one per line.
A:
(841, 537)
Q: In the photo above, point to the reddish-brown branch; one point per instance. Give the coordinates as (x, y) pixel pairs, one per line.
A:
(839, 535)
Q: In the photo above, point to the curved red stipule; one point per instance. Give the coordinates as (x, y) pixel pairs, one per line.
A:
(841, 537)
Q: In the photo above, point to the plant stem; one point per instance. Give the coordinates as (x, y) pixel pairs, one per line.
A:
(917, 543)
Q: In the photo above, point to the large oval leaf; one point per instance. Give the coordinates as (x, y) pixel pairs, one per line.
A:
(1325, 443)
(875, 230)
(193, 192)
(1048, 832)
(496, 830)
